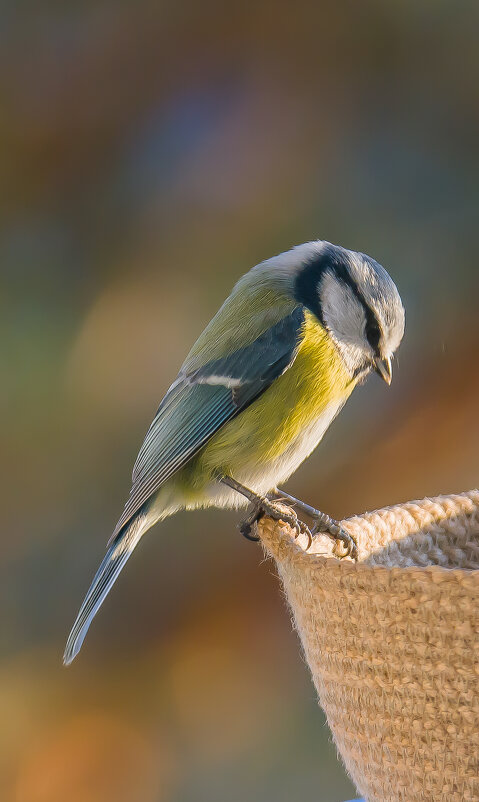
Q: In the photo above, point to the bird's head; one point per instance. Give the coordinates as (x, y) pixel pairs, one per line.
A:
(355, 299)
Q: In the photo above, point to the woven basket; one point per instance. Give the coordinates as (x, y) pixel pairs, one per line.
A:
(393, 644)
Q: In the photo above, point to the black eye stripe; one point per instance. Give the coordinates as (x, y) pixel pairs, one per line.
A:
(306, 289)
(373, 334)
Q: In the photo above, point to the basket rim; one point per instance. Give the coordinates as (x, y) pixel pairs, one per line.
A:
(438, 572)
(435, 573)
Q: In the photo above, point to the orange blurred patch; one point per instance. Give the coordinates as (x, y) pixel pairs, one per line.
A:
(92, 758)
(222, 685)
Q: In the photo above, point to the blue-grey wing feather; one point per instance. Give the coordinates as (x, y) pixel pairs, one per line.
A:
(200, 403)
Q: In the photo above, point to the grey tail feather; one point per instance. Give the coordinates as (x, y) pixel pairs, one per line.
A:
(111, 565)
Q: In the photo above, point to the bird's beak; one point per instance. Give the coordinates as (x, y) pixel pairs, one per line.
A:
(384, 368)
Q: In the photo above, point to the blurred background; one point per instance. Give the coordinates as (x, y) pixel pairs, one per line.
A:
(150, 153)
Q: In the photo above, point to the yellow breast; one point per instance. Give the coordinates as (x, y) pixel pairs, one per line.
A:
(316, 382)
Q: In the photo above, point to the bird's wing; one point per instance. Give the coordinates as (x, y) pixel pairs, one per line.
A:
(202, 401)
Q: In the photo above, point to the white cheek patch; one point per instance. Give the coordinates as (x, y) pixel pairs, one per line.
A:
(342, 312)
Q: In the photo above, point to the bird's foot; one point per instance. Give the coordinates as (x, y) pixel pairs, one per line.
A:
(270, 505)
(266, 506)
(324, 524)
(329, 526)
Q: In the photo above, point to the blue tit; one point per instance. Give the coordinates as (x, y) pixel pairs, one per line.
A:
(255, 396)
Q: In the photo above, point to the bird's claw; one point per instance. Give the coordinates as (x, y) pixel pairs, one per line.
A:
(350, 546)
(270, 508)
(305, 530)
(278, 513)
(249, 524)
(328, 526)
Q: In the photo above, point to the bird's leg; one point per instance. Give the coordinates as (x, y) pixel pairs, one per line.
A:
(322, 523)
(262, 505)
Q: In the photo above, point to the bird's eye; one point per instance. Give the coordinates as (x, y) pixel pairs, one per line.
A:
(373, 334)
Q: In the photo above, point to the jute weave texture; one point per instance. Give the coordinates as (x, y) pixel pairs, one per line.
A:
(392, 642)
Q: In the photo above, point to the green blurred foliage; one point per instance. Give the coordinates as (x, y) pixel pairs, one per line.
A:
(150, 153)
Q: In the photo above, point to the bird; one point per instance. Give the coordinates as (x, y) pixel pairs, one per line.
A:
(254, 397)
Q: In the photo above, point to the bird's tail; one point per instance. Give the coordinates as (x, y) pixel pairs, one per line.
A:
(118, 553)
